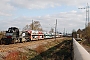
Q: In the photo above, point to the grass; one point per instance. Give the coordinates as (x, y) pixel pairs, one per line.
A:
(55, 50)
(58, 51)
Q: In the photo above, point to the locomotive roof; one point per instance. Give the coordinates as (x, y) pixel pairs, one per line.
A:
(13, 28)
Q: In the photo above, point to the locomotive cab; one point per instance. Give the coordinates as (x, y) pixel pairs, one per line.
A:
(12, 35)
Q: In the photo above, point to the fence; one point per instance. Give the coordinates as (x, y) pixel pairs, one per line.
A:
(79, 52)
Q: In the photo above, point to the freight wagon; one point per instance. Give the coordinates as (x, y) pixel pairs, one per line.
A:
(33, 35)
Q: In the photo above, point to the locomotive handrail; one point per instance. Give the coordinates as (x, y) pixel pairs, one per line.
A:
(79, 52)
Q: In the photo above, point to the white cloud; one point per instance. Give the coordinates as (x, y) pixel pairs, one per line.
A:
(5, 5)
(37, 4)
(68, 20)
(5, 14)
(33, 4)
(6, 8)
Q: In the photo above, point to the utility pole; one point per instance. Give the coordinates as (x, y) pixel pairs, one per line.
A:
(55, 28)
(32, 24)
(87, 15)
(64, 31)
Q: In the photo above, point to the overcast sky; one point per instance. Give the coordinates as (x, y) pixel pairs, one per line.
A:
(21, 12)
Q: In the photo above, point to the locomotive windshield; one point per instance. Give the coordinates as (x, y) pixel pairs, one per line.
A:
(9, 34)
(13, 31)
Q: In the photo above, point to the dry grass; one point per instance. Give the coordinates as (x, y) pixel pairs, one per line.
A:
(56, 50)
(37, 52)
(16, 55)
(40, 49)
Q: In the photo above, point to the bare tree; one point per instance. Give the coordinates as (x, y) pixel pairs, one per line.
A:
(51, 31)
(26, 27)
(87, 34)
(34, 26)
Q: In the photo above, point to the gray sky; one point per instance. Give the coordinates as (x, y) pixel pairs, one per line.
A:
(21, 12)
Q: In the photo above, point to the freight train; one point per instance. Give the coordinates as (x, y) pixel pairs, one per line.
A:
(13, 35)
